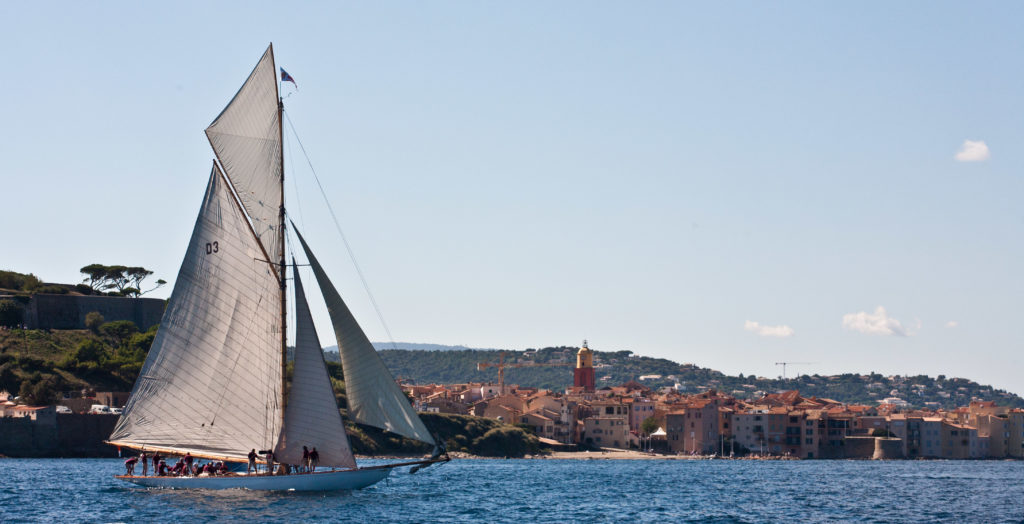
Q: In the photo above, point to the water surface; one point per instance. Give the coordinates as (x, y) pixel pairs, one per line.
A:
(83, 490)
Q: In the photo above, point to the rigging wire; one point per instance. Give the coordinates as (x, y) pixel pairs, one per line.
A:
(344, 240)
(295, 185)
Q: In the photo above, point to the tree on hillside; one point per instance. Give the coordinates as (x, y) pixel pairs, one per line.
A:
(93, 321)
(38, 390)
(11, 314)
(95, 276)
(118, 331)
(19, 281)
(126, 280)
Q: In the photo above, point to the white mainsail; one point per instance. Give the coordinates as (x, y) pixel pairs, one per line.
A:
(246, 137)
(211, 384)
(311, 418)
(372, 394)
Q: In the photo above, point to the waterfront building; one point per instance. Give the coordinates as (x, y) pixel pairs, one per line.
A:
(1015, 431)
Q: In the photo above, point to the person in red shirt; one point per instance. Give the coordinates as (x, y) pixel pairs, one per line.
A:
(129, 466)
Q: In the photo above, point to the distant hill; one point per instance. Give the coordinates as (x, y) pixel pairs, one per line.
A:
(615, 368)
(379, 346)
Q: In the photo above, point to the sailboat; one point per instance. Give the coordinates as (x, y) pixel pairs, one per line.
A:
(213, 384)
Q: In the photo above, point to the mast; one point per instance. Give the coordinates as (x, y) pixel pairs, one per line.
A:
(281, 250)
(281, 259)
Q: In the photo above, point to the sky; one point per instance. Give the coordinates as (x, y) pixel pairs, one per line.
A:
(731, 185)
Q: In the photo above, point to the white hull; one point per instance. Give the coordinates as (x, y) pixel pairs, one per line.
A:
(324, 481)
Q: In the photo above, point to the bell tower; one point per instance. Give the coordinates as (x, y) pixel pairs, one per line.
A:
(583, 375)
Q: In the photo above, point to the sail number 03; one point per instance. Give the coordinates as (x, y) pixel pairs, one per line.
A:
(212, 247)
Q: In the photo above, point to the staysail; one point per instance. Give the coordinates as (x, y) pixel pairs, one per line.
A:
(372, 394)
(311, 417)
(246, 137)
(211, 384)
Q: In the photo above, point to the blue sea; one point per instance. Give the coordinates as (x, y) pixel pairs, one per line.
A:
(525, 491)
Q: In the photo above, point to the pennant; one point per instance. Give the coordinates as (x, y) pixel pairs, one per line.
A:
(285, 77)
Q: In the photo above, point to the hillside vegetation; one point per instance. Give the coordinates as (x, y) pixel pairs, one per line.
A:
(39, 365)
(108, 357)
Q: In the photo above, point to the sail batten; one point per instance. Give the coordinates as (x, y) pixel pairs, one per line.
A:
(371, 393)
(311, 418)
(246, 137)
(211, 383)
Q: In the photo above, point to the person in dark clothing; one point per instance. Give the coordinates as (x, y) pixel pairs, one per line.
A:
(188, 461)
(305, 459)
(161, 469)
(252, 463)
(314, 459)
(156, 461)
(270, 460)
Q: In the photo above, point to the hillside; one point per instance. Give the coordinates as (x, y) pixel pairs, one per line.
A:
(380, 346)
(44, 363)
(41, 364)
(615, 368)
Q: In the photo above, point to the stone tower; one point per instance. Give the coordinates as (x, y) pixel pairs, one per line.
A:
(583, 375)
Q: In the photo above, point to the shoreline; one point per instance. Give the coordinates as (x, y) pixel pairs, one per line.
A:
(606, 454)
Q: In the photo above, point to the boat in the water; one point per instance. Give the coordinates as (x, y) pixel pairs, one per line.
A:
(214, 385)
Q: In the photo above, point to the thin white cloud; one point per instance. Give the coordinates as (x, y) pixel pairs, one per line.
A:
(781, 331)
(952, 324)
(973, 151)
(877, 323)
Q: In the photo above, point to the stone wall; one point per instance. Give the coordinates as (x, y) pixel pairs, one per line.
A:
(69, 311)
(73, 436)
(888, 448)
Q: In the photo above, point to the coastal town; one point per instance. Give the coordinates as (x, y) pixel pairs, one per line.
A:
(591, 413)
(781, 424)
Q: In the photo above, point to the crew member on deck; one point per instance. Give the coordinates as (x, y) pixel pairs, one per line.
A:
(252, 463)
(314, 459)
(145, 463)
(129, 466)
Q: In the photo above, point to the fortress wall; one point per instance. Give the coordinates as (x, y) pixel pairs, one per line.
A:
(23, 437)
(73, 436)
(69, 311)
(859, 447)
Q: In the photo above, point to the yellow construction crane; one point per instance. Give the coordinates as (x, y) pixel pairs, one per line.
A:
(501, 365)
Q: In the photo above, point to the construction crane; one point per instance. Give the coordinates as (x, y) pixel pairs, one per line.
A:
(784, 364)
(501, 365)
